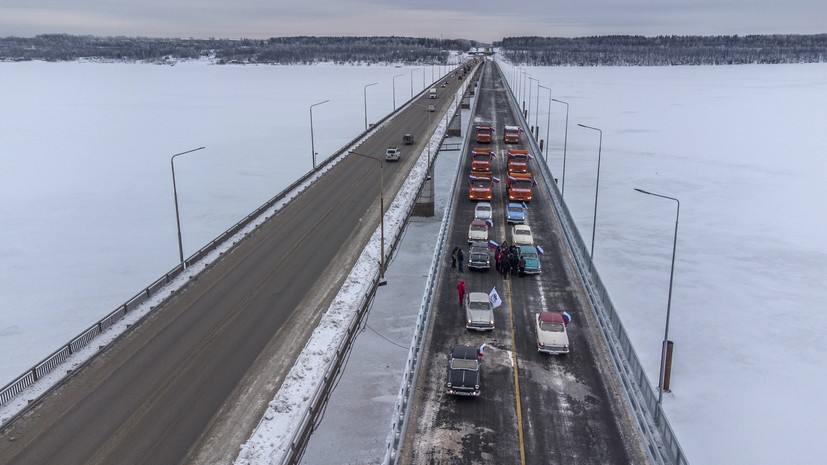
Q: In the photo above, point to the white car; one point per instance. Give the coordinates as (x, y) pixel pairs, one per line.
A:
(483, 211)
(552, 335)
(521, 235)
(479, 315)
(478, 231)
(392, 154)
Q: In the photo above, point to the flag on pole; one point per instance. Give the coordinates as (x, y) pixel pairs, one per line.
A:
(492, 245)
(525, 206)
(489, 223)
(494, 297)
(566, 317)
(495, 179)
(481, 350)
(539, 250)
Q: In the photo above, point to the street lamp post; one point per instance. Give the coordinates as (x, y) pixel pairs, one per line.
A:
(522, 89)
(412, 80)
(565, 145)
(366, 102)
(548, 115)
(528, 115)
(382, 280)
(393, 85)
(662, 374)
(312, 142)
(427, 131)
(596, 189)
(175, 198)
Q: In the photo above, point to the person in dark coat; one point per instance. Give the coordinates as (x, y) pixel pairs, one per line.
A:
(454, 257)
(461, 291)
(522, 266)
(506, 266)
(460, 259)
(515, 264)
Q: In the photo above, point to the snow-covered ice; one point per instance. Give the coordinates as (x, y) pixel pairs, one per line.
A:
(89, 218)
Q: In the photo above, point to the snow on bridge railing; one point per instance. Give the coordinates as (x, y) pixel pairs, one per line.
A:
(48, 364)
(660, 440)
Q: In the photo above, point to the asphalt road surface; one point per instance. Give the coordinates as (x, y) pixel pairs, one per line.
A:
(190, 382)
(534, 408)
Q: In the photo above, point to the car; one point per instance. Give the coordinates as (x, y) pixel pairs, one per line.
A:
(407, 139)
(479, 257)
(483, 211)
(478, 231)
(521, 235)
(552, 333)
(515, 213)
(431, 108)
(392, 154)
(479, 313)
(531, 257)
(464, 373)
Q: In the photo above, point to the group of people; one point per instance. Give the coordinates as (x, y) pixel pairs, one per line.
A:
(457, 258)
(508, 260)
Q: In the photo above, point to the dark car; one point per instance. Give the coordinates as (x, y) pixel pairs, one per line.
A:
(407, 139)
(478, 256)
(464, 372)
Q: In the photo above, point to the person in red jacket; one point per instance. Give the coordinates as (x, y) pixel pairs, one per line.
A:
(461, 291)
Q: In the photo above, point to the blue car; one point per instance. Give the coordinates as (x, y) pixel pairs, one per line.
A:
(515, 213)
(532, 259)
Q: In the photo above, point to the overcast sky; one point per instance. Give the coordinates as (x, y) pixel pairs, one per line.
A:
(482, 20)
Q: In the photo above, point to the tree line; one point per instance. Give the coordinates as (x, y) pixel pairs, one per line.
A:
(281, 50)
(625, 50)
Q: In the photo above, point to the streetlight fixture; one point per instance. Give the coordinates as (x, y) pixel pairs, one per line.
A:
(412, 80)
(662, 374)
(548, 115)
(522, 87)
(366, 102)
(528, 115)
(312, 142)
(393, 84)
(565, 144)
(382, 280)
(596, 189)
(175, 197)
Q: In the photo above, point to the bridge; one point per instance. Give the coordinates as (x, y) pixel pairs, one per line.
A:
(191, 381)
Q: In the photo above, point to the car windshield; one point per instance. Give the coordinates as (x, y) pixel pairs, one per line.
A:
(483, 208)
(552, 327)
(518, 159)
(463, 364)
(515, 210)
(521, 232)
(478, 227)
(478, 306)
(480, 183)
(482, 157)
(521, 184)
(529, 255)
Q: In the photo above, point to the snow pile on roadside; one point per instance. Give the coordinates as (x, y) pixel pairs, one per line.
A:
(286, 413)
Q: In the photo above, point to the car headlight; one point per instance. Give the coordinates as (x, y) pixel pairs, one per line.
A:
(477, 387)
(541, 344)
(492, 322)
(469, 321)
(449, 384)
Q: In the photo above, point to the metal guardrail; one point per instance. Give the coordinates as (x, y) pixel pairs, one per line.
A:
(661, 441)
(300, 437)
(401, 413)
(47, 365)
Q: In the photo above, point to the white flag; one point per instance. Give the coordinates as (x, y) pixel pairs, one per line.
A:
(494, 298)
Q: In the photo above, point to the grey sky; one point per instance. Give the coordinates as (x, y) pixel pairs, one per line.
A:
(483, 20)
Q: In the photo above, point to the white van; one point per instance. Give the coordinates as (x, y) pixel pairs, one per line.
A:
(433, 93)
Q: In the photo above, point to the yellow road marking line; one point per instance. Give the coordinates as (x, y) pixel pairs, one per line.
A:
(516, 373)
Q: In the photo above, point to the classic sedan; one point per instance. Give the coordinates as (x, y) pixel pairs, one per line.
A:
(483, 211)
(478, 256)
(464, 374)
(531, 257)
(478, 231)
(552, 334)
(521, 235)
(479, 314)
(515, 213)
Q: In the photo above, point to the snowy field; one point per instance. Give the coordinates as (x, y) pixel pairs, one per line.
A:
(89, 220)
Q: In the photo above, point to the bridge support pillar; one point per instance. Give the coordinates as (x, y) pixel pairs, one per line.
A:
(425, 202)
(454, 127)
